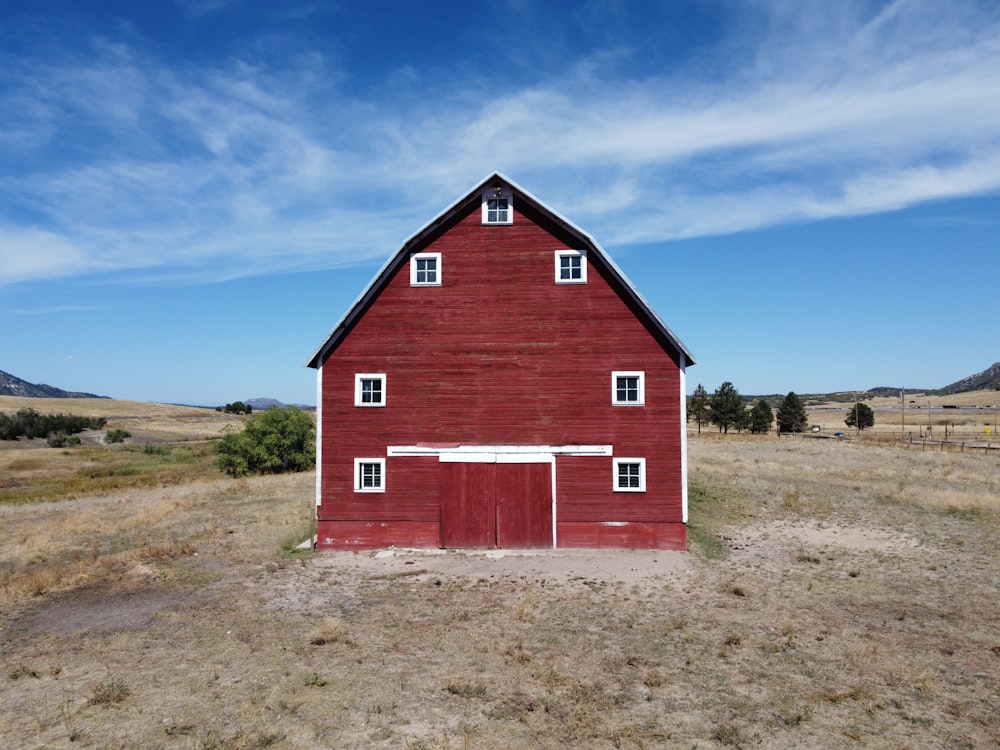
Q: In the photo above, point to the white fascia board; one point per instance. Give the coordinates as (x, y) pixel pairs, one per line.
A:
(319, 435)
(684, 440)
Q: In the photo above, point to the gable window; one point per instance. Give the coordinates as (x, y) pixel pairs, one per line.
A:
(630, 475)
(571, 266)
(425, 269)
(369, 389)
(628, 388)
(498, 206)
(369, 475)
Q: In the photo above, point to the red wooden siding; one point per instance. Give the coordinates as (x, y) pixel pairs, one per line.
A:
(500, 354)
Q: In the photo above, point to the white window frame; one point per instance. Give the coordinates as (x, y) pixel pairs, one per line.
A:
(359, 464)
(493, 193)
(413, 269)
(582, 255)
(359, 379)
(641, 463)
(641, 375)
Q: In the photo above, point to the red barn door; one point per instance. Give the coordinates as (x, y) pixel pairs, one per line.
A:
(503, 505)
(468, 505)
(524, 505)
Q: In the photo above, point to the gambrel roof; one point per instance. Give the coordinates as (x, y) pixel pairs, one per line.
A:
(525, 203)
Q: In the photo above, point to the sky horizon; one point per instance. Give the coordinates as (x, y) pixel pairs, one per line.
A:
(193, 193)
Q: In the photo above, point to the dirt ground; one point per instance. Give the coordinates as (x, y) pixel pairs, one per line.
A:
(823, 605)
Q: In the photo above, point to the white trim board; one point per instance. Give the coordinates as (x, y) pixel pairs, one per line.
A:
(497, 453)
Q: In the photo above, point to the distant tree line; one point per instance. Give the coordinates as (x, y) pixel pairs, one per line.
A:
(728, 410)
(30, 424)
(237, 407)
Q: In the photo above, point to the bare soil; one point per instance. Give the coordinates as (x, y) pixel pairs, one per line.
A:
(836, 596)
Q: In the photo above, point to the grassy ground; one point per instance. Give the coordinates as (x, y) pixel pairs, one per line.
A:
(837, 595)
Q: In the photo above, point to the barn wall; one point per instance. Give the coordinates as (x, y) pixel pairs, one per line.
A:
(500, 354)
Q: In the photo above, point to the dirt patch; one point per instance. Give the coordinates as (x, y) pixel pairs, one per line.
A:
(308, 590)
(775, 539)
(100, 609)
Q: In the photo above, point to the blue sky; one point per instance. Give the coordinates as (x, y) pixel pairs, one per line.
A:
(193, 192)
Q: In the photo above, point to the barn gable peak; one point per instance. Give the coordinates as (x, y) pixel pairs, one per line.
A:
(498, 197)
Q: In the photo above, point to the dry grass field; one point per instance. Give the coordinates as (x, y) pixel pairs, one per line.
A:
(976, 410)
(838, 594)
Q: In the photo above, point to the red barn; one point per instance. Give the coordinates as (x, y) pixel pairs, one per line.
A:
(500, 383)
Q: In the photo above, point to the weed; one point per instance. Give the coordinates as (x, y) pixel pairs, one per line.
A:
(19, 671)
(728, 733)
(807, 558)
(466, 689)
(676, 622)
(329, 630)
(791, 501)
(654, 679)
(313, 679)
(111, 690)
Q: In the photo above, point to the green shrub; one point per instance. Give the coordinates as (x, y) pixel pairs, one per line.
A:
(116, 436)
(30, 424)
(275, 441)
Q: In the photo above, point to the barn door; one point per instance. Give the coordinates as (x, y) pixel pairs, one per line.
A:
(524, 505)
(486, 504)
(468, 504)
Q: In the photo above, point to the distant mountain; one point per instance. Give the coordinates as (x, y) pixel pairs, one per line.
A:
(988, 379)
(260, 404)
(11, 386)
(263, 404)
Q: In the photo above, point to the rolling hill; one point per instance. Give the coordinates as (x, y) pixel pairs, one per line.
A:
(988, 379)
(13, 386)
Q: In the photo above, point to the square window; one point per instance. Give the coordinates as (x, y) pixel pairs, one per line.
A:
(496, 211)
(571, 266)
(628, 388)
(630, 475)
(425, 269)
(498, 206)
(369, 389)
(369, 475)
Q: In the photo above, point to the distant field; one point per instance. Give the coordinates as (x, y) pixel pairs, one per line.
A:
(146, 421)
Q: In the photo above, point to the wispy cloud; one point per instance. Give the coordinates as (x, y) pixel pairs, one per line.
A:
(123, 163)
(59, 309)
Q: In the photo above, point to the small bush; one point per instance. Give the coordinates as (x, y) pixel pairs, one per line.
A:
(275, 441)
(116, 436)
(61, 440)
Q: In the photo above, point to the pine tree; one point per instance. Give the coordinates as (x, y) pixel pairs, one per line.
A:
(860, 416)
(726, 407)
(792, 414)
(761, 417)
(698, 407)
